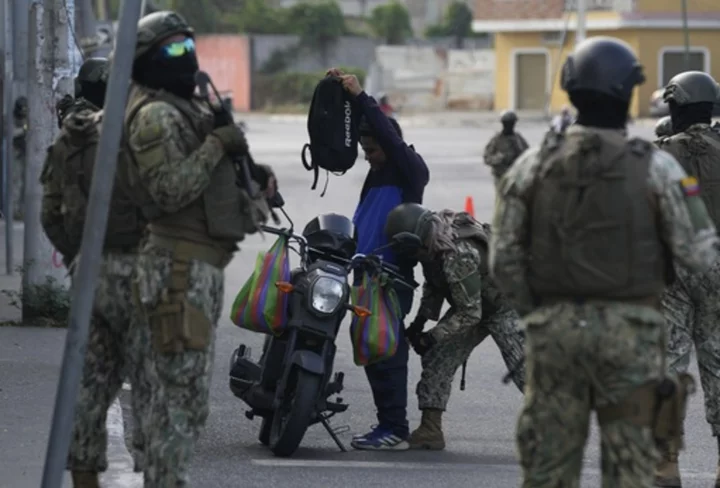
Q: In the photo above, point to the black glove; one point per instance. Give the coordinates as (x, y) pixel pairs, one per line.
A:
(220, 119)
(415, 328)
(422, 343)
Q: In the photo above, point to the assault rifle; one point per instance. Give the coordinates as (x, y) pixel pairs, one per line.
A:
(224, 116)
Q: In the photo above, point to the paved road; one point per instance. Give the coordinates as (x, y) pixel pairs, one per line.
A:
(480, 421)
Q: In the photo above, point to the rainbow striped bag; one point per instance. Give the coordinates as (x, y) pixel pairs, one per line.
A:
(259, 305)
(375, 337)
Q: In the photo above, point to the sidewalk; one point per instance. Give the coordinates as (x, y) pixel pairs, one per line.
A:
(30, 360)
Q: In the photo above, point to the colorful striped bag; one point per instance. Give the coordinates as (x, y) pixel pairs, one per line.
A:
(375, 337)
(259, 305)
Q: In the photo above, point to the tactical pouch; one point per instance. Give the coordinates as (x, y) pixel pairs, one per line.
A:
(671, 403)
(176, 324)
(636, 408)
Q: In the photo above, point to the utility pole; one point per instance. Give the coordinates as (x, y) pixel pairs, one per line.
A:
(21, 13)
(91, 248)
(86, 25)
(8, 134)
(49, 76)
(686, 34)
(580, 32)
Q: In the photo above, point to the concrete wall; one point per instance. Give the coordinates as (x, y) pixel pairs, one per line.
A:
(421, 78)
(348, 51)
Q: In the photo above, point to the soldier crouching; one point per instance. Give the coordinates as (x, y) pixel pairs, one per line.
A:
(453, 250)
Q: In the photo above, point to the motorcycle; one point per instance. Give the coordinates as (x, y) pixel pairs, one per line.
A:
(291, 385)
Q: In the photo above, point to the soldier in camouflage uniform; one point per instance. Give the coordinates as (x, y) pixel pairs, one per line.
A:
(452, 248)
(185, 182)
(663, 129)
(691, 304)
(66, 178)
(505, 146)
(583, 242)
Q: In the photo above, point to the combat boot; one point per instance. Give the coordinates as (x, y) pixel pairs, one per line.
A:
(667, 471)
(85, 479)
(429, 434)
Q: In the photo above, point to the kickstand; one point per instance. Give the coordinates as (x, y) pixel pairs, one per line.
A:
(332, 433)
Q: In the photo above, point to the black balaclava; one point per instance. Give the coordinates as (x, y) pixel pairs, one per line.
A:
(683, 116)
(93, 92)
(600, 110)
(176, 75)
(508, 128)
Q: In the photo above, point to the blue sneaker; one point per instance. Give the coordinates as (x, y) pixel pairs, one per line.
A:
(380, 439)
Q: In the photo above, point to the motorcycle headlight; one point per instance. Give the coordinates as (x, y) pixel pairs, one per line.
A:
(326, 295)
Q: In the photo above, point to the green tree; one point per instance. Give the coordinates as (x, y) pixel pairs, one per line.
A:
(457, 23)
(391, 23)
(257, 17)
(319, 25)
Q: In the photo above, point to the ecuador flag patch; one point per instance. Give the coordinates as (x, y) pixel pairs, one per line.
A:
(690, 186)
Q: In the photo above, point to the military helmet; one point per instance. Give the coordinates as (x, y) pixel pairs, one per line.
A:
(157, 26)
(93, 70)
(508, 117)
(692, 87)
(406, 217)
(663, 128)
(603, 65)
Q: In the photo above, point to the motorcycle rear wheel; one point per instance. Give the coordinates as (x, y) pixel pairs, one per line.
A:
(291, 420)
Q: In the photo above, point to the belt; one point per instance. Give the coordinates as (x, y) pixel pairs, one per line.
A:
(183, 250)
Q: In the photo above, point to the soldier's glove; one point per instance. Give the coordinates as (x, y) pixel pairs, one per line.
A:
(220, 119)
(422, 343)
(232, 139)
(415, 328)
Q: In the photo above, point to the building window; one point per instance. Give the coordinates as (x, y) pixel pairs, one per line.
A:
(672, 61)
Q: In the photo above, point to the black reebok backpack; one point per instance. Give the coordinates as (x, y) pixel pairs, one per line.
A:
(333, 122)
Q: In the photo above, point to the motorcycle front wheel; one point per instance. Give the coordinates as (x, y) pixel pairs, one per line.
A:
(291, 420)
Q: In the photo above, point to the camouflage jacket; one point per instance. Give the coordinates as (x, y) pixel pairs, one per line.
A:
(502, 151)
(683, 220)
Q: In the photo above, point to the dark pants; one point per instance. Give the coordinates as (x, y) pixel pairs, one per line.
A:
(389, 380)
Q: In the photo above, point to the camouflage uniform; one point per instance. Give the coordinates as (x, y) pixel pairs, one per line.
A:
(502, 151)
(585, 236)
(690, 304)
(589, 355)
(66, 178)
(181, 177)
(468, 322)
(456, 269)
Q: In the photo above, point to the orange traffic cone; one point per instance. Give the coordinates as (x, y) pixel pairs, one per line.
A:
(469, 207)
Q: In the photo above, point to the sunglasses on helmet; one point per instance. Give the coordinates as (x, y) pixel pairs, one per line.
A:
(179, 48)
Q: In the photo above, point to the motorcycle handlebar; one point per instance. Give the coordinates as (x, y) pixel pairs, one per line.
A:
(359, 260)
(285, 232)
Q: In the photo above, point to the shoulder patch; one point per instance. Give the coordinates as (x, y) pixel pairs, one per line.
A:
(690, 186)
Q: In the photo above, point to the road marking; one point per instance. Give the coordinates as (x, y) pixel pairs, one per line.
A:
(120, 470)
(449, 466)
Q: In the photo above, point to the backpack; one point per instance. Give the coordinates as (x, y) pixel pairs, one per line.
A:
(333, 127)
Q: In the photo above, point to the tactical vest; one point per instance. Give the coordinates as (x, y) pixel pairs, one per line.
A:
(594, 224)
(221, 215)
(698, 151)
(73, 158)
(469, 229)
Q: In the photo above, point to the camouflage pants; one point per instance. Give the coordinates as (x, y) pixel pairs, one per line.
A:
(180, 382)
(692, 312)
(107, 364)
(582, 358)
(441, 361)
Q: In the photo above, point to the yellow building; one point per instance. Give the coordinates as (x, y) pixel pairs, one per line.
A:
(529, 52)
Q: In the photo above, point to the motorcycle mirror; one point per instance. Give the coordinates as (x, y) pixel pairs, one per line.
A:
(406, 240)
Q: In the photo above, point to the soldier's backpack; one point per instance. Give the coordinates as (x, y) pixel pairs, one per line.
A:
(333, 122)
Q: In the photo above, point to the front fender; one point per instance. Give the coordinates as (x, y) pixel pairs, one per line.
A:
(309, 361)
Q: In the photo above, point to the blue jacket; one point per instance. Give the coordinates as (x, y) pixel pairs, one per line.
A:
(401, 180)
